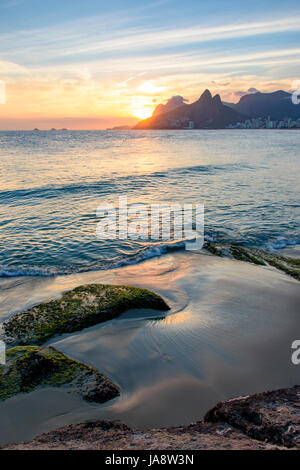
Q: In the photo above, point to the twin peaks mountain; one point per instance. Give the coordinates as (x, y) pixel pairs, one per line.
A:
(210, 113)
(206, 113)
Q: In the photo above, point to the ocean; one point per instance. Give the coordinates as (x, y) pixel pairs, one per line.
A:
(51, 184)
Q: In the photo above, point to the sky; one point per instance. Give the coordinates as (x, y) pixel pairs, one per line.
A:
(93, 64)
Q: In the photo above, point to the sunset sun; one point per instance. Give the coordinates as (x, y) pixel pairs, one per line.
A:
(142, 107)
(142, 113)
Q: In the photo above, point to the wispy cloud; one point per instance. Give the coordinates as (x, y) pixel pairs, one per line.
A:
(137, 40)
(12, 69)
(140, 65)
(154, 66)
(73, 41)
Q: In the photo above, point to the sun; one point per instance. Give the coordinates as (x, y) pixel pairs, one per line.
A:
(141, 106)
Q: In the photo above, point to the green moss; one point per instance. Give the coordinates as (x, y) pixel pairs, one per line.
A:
(243, 254)
(290, 266)
(28, 367)
(213, 248)
(77, 309)
(284, 264)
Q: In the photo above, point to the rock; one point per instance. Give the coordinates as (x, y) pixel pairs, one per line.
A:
(77, 309)
(105, 435)
(270, 416)
(28, 367)
(290, 266)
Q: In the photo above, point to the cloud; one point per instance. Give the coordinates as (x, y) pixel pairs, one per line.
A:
(11, 69)
(143, 39)
(249, 92)
(172, 103)
(71, 40)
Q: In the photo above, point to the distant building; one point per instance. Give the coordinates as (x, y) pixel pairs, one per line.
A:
(191, 125)
(266, 123)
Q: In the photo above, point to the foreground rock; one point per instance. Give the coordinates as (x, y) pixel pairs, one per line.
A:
(77, 309)
(105, 435)
(290, 266)
(270, 416)
(29, 367)
(277, 411)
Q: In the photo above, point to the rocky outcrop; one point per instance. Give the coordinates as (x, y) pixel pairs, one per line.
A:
(77, 309)
(29, 367)
(266, 421)
(290, 266)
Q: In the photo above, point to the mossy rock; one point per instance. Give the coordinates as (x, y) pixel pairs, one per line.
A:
(77, 309)
(290, 266)
(29, 367)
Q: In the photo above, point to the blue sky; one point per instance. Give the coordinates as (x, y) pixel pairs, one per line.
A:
(109, 61)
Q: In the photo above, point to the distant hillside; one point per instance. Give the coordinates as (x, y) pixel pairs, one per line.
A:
(277, 105)
(206, 113)
(119, 128)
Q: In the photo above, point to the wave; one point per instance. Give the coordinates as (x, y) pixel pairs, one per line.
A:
(280, 243)
(142, 255)
(111, 186)
(7, 271)
(148, 252)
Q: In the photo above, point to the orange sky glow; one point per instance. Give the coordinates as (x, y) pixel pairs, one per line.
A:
(93, 104)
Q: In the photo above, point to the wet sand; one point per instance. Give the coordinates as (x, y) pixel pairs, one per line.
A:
(229, 333)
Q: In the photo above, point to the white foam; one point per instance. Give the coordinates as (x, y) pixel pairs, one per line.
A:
(6, 271)
(281, 243)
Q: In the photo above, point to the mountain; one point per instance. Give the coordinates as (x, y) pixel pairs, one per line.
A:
(277, 105)
(206, 113)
